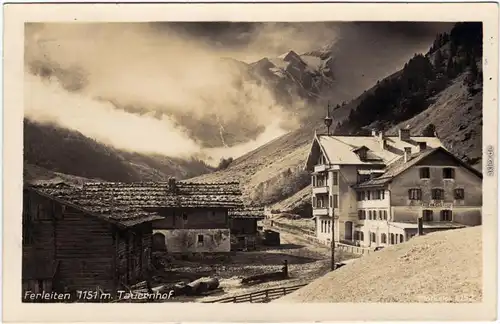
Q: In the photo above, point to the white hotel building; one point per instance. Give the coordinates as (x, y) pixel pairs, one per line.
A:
(375, 188)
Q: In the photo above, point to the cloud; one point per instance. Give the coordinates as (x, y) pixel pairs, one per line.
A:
(47, 101)
(94, 73)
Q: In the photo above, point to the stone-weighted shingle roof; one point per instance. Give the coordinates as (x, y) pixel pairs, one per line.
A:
(247, 212)
(131, 203)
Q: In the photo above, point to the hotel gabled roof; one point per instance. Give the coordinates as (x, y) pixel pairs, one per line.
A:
(341, 150)
(400, 166)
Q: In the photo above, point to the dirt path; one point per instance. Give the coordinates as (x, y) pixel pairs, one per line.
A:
(307, 262)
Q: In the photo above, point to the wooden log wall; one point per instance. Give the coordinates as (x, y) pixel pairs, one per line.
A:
(85, 251)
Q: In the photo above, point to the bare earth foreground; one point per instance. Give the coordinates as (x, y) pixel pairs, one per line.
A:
(443, 267)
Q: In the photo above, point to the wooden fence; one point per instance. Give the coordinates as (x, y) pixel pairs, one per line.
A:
(263, 296)
(353, 249)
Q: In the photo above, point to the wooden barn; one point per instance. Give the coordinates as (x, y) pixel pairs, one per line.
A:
(243, 223)
(76, 239)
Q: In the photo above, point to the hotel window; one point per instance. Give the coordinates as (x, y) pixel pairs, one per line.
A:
(368, 195)
(380, 215)
(335, 201)
(329, 228)
(437, 194)
(358, 195)
(392, 238)
(362, 195)
(376, 194)
(373, 237)
(385, 214)
(383, 238)
(200, 239)
(427, 215)
(321, 160)
(314, 180)
(415, 194)
(321, 203)
(446, 215)
(401, 238)
(448, 173)
(425, 173)
(459, 194)
(314, 201)
(382, 194)
(335, 180)
(361, 214)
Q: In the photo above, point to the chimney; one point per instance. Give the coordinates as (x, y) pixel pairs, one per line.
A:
(172, 185)
(374, 133)
(422, 146)
(381, 135)
(404, 134)
(383, 143)
(407, 154)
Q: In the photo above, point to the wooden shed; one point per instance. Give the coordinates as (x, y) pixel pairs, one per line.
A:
(76, 239)
(244, 231)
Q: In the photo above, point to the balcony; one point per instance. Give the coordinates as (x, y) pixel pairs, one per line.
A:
(320, 190)
(320, 168)
(320, 211)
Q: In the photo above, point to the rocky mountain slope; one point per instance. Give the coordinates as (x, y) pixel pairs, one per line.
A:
(272, 171)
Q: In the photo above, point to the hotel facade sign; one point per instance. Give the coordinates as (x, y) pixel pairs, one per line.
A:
(437, 205)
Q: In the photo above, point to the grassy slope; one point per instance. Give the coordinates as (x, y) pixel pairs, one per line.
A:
(47, 147)
(439, 267)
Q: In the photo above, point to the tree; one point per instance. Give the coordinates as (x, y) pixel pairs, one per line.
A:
(445, 39)
(429, 130)
(438, 61)
(224, 163)
(472, 78)
(453, 49)
(473, 69)
(450, 68)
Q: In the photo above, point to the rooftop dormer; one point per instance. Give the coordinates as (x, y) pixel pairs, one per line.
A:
(361, 152)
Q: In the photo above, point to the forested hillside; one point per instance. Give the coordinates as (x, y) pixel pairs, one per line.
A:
(63, 151)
